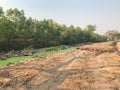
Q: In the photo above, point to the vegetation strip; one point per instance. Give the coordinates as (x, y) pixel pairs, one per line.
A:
(47, 51)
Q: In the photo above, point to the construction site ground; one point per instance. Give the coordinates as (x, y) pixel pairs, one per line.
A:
(89, 67)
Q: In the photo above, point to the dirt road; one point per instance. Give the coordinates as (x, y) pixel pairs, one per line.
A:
(89, 67)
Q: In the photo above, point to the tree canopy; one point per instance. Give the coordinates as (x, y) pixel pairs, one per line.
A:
(18, 32)
(112, 35)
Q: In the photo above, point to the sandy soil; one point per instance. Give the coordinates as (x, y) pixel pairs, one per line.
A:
(89, 67)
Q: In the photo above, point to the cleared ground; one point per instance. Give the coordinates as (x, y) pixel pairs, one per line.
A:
(89, 67)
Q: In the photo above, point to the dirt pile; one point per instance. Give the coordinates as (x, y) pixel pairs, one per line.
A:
(100, 48)
(89, 67)
(25, 52)
(118, 46)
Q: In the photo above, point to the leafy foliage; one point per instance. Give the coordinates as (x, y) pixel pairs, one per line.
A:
(112, 35)
(19, 32)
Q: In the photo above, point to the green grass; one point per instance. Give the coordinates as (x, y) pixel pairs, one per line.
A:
(46, 51)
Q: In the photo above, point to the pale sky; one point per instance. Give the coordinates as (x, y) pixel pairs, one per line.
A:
(105, 14)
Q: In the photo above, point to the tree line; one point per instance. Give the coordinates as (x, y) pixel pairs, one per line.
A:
(19, 32)
(112, 35)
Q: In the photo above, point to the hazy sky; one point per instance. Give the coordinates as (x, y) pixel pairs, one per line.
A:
(105, 14)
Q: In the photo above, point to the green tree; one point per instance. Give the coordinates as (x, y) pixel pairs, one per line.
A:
(7, 29)
(1, 12)
(112, 35)
(17, 17)
(90, 28)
